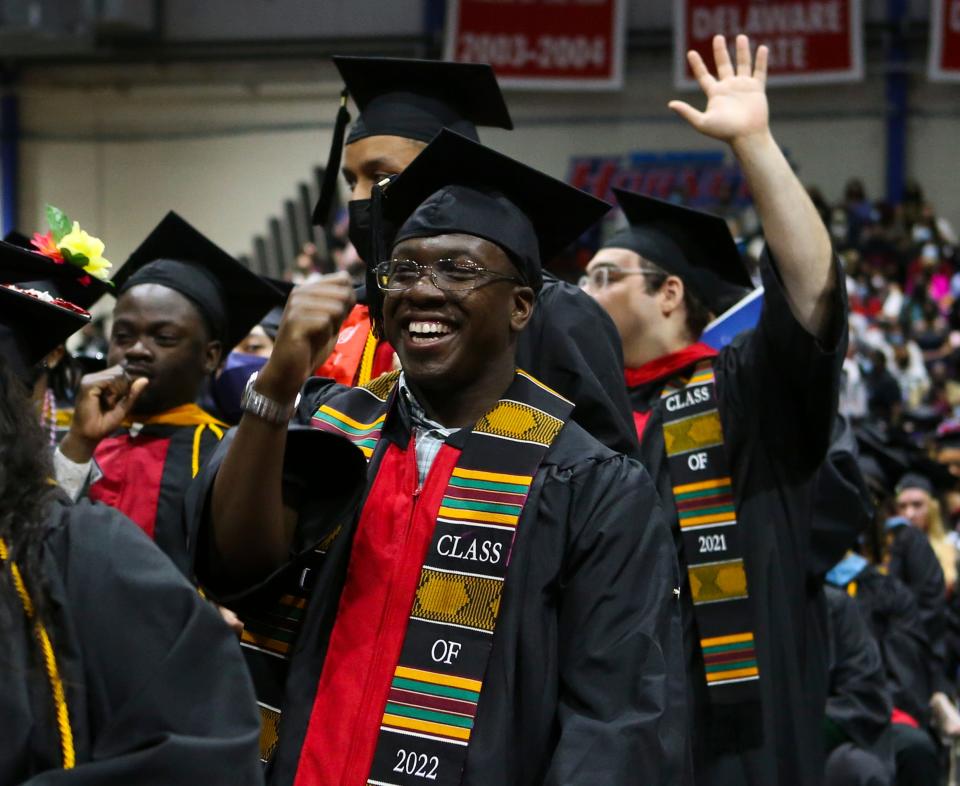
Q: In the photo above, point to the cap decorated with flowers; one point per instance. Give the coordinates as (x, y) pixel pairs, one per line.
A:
(66, 242)
(65, 262)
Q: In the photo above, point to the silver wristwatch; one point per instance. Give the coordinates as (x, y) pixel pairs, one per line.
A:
(263, 407)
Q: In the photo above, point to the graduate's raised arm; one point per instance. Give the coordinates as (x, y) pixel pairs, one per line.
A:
(737, 113)
(252, 530)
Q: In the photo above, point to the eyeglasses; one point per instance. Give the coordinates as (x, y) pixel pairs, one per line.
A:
(447, 275)
(603, 276)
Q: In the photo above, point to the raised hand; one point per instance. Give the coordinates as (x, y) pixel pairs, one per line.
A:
(736, 98)
(306, 335)
(103, 403)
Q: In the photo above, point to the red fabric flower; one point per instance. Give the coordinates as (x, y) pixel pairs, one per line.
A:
(46, 245)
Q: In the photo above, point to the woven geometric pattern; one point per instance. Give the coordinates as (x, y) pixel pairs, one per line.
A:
(457, 599)
(382, 385)
(706, 502)
(441, 705)
(514, 420)
(363, 435)
(730, 658)
(269, 732)
(694, 433)
(717, 581)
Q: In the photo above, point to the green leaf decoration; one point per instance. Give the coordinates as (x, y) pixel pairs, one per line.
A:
(80, 260)
(60, 225)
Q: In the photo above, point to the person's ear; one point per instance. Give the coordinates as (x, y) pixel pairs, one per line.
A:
(212, 354)
(671, 295)
(524, 300)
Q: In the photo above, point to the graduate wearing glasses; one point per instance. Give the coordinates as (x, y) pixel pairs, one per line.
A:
(497, 599)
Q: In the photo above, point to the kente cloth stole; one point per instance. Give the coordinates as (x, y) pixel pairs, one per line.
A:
(706, 511)
(270, 628)
(437, 683)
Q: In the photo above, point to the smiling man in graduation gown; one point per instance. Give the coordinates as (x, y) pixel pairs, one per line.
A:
(498, 605)
(114, 671)
(570, 343)
(138, 437)
(734, 440)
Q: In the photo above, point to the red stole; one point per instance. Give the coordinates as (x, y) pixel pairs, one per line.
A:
(394, 532)
(667, 366)
(662, 369)
(132, 470)
(132, 467)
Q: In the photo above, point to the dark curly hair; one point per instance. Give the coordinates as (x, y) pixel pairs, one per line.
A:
(25, 493)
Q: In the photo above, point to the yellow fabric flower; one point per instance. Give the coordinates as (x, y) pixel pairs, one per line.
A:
(77, 243)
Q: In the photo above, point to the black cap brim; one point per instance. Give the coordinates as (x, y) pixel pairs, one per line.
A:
(246, 296)
(32, 328)
(32, 270)
(558, 212)
(271, 322)
(708, 259)
(412, 99)
(416, 98)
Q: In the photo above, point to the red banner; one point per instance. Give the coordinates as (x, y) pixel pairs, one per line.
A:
(810, 41)
(945, 40)
(568, 44)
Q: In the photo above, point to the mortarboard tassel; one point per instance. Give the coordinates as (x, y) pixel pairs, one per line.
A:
(321, 213)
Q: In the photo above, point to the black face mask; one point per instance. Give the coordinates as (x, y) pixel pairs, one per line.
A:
(360, 230)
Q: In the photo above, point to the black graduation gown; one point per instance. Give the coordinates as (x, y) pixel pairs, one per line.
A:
(572, 345)
(844, 506)
(588, 637)
(155, 685)
(777, 388)
(913, 561)
(145, 475)
(892, 614)
(858, 701)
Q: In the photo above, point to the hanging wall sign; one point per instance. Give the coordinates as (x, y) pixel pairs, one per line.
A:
(552, 44)
(810, 41)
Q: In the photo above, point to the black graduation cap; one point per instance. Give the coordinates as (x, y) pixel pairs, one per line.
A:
(927, 474)
(881, 458)
(271, 322)
(691, 244)
(27, 268)
(18, 239)
(412, 99)
(458, 185)
(31, 328)
(230, 297)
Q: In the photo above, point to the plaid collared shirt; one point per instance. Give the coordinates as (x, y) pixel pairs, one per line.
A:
(428, 435)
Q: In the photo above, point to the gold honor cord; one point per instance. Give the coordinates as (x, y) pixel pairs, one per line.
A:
(218, 432)
(49, 662)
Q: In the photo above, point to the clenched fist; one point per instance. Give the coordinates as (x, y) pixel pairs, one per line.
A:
(306, 336)
(103, 403)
